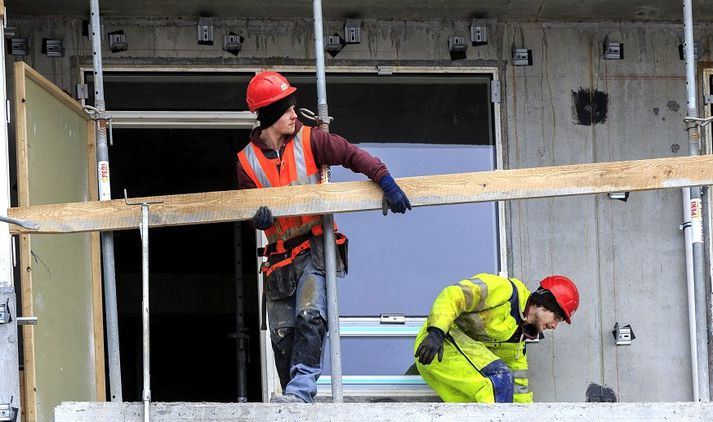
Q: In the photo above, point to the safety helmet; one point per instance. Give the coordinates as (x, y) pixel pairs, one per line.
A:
(565, 293)
(265, 88)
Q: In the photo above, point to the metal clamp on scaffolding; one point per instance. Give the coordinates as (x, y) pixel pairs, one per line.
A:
(6, 317)
(100, 116)
(309, 115)
(698, 121)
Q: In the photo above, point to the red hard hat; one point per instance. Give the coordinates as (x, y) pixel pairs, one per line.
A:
(265, 88)
(565, 293)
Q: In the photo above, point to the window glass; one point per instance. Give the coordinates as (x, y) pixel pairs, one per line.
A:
(399, 263)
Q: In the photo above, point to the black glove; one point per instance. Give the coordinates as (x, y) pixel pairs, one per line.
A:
(394, 197)
(430, 345)
(262, 220)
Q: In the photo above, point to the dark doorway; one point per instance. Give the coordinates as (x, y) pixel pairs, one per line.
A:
(193, 270)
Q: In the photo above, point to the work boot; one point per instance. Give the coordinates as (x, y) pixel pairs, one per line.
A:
(287, 398)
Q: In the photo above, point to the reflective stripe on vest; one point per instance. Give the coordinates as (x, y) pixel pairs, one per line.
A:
(301, 165)
(297, 168)
(254, 163)
(520, 374)
(521, 389)
(490, 321)
(483, 292)
(469, 294)
(521, 382)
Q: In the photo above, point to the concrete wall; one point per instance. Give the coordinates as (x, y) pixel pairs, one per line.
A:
(627, 258)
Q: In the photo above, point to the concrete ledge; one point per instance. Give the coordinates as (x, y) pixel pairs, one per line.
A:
(358, 412)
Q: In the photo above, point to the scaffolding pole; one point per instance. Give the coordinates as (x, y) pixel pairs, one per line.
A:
(700, 355)
(330, 255)
(242, 336)
(145, 313)
(107, 238)
(9, 362)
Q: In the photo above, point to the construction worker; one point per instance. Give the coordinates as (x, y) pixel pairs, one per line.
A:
(478, 327)
(284, 152)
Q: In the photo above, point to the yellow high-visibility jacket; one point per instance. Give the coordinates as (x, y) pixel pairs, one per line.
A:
(480, 315)
(485, 307)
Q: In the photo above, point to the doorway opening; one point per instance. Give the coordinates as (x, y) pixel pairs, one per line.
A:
(194, 270)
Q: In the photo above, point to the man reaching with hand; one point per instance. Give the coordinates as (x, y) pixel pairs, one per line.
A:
(283, 152)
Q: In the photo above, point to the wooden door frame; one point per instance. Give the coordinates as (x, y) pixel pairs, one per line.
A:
(22, 70)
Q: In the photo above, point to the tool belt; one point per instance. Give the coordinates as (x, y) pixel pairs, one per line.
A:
(278, 275)
(283, 252)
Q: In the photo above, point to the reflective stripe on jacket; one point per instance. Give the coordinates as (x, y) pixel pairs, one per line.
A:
(485, 307)
(295, 167)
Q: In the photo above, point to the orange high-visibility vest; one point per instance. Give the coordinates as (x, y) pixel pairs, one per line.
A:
(297, 167)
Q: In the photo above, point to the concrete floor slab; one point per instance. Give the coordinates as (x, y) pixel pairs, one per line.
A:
(411, 412)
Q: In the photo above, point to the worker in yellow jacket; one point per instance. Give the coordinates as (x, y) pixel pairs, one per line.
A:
(478, 327)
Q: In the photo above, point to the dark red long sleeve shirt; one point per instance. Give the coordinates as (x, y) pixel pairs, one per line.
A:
(329, 149)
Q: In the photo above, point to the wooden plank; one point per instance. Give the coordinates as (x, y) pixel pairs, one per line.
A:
(23, 198)
(96, 268)
(45, 83)
(21, 134)
(60, 352)
(214, 207)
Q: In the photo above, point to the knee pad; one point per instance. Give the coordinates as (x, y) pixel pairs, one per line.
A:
(310, 329)
(310, 318)
(503, 380)
(282, 340)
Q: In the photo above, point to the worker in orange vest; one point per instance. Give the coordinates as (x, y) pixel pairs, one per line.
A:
(283, 152)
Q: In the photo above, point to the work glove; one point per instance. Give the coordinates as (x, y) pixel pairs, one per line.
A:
(431, 345)
(262, 220)
(394, 198)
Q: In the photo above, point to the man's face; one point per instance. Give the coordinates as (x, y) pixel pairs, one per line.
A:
(544, 319)
(285, 125)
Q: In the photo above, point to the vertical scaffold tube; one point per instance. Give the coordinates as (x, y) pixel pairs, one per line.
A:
(145, 314)
(330, 255)
(694, 204)
(107, 238)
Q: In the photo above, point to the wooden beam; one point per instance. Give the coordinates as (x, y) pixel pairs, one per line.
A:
(96, 268)
(214, 207)
(23, 69)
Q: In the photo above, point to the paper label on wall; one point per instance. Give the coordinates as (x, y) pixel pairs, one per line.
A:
(103, 177)
(696, 221)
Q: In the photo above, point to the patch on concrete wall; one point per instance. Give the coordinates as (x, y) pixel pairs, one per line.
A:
(599, 394)
(673, 106)
(589, 107)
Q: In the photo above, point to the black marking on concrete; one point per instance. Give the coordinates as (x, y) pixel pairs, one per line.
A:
(589, 107)
(673, 106)
(599, 394)
(656, 111)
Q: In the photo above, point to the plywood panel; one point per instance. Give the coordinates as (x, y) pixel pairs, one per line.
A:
(57, 277)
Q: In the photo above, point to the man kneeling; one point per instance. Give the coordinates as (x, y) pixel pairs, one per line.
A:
(478, 328)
